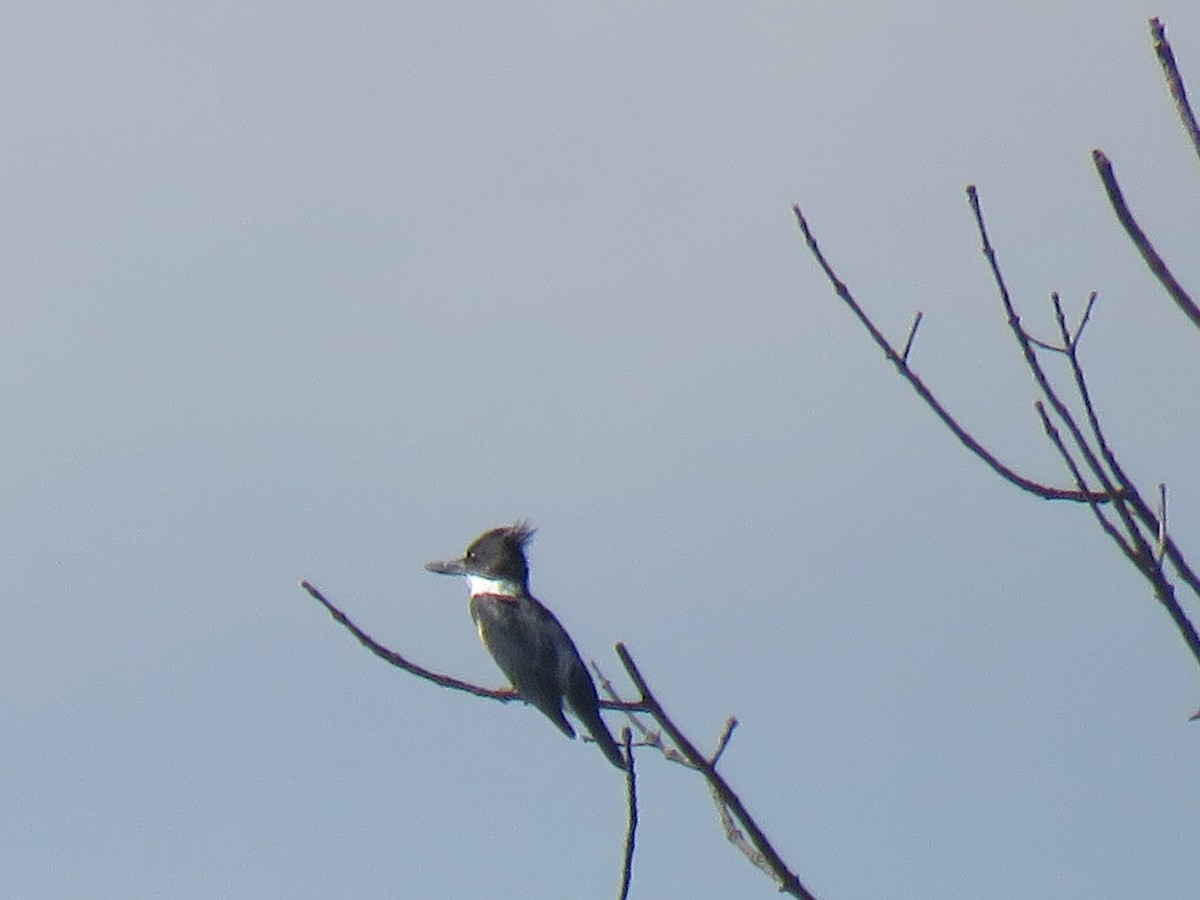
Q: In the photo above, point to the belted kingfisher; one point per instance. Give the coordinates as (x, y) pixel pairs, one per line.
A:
(527, 642)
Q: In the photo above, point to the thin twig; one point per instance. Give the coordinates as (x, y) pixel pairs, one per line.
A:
(1072, 350)
(1166, 57)
(1155, 262)
(733, 834)
(1044, 491)
(912, 333)
(1061, 318)
(1056, 439)
(1164, 591)
(504, 695)
(650, 737)
(1128, 502)
(723, 740)
(788, 881)
(1139, 506)
(1044, 345)
(1118, 493)
(737, 837)
(1085, 318)
(631, 832)
(1148, 563)
(1173, 553)
(1160, 547)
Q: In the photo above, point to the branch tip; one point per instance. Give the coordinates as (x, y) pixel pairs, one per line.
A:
(1154, 262)
(912, 334)
(631, 795)
(1160, 548)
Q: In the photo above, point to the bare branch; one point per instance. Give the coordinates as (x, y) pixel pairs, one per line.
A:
(965, 438)
(912, 333)
(1061, 318)
(1117, 492)
(1138, 555)
(1044, 345)
(504, 695)
(1160, 548)
(1164, 592)
(733, 834)
(1128, 502)
(788, 882)
(1173, 553)
(1166, 57)
(1085, 318)
(1056, 439)
(649, 737)
(1156, 263)
(1140, 507)
(631, 832)
(737, 837)
(723, 740)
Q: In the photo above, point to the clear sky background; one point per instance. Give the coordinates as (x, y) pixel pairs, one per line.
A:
(324, 290)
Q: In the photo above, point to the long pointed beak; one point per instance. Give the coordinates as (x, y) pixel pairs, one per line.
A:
(447, 567)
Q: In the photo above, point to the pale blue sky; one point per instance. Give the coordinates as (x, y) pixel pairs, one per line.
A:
(297, 290)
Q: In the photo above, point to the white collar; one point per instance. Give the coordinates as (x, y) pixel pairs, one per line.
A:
(494, 587)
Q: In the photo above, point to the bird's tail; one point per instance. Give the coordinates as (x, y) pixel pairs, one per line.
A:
(603, 737)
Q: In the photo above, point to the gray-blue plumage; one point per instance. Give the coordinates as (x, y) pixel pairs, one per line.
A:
(528, 643)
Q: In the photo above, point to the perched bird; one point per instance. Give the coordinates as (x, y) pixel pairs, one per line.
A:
(527, 642)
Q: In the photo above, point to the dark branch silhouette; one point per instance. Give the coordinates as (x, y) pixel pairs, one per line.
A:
(1035, 367)
(789, 882)
(504, 695)
(1144, 562)
(758, 849)
(900, 362)
(912, 336)
(1156, 263)
(1138, 530)
(1166, 58)
(631, 831)
(653, 738)
(1098, 475)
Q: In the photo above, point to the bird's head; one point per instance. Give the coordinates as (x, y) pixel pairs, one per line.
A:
(494, 562)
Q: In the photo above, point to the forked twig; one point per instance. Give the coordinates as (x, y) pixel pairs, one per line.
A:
(897, 359)
(1056, 439)
(687, 753)
(504, 695)
(1129, 505)
(1141, 535)
(1117, 491)
(912, 334)
(787, 880)
(648, 737)
(723, 740)
(1151, 569)
(1137, 503)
